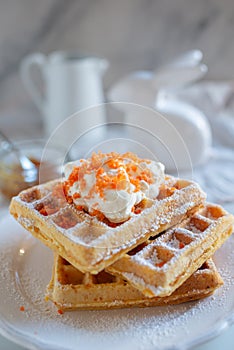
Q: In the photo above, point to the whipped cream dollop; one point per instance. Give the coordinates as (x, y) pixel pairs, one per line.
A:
(112, 184)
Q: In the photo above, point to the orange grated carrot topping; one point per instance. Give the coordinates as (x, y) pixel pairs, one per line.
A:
(126, 163)
(160, 264)
(181, 245)
(76, 195)
(98, 214)
(137, 210)
(124, 168)
(47, 210)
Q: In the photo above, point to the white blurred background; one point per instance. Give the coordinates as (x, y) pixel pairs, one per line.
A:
(132, 35)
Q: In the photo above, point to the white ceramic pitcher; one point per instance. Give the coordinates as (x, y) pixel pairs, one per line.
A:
(71, 83)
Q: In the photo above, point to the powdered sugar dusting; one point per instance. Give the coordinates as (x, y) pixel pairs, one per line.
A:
(165, 210)
(149, 328)
(178, 248)
(174, 243)
(154, 258)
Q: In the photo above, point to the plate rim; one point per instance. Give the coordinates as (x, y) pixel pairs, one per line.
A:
(31, 343)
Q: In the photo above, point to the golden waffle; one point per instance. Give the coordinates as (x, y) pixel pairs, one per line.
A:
(159, 266)
(91, 245)
(71, 289)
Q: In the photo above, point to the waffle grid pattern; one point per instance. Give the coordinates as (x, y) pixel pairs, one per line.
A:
(71, 289)
(161, 264)
(91, 245)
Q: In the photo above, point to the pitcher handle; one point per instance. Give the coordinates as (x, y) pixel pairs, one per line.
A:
(35, 60)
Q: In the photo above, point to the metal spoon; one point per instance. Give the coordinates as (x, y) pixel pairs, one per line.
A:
(29, 168)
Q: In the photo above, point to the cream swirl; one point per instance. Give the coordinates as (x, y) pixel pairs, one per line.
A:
(112, 184)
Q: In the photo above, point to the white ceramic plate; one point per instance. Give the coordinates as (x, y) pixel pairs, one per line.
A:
(25, 271)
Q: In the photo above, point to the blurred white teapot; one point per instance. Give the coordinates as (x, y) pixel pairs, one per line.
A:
(176, 132)
(193, 129)
(178, 135)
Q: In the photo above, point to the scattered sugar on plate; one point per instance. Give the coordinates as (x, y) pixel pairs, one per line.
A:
(25, 281)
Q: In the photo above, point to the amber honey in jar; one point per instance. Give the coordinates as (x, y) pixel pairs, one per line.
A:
(14, 179)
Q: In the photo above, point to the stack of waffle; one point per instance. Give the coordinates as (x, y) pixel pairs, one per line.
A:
(161, 256)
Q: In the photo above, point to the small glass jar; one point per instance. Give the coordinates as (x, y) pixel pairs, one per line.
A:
(47, 159)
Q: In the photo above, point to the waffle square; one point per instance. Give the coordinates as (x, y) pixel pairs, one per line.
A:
(91, 245)
(70, 289)
(161, 264)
